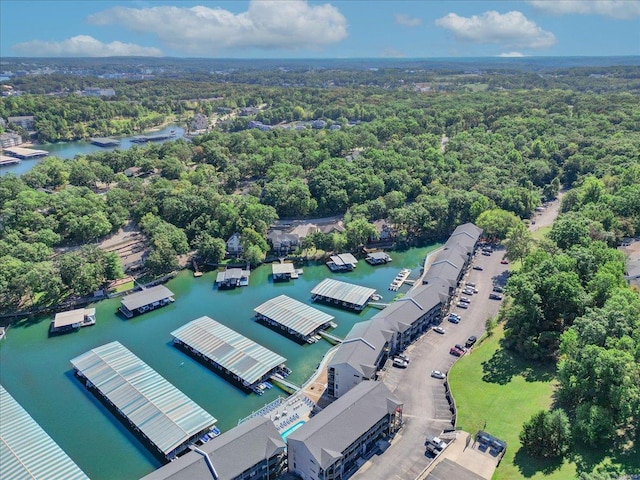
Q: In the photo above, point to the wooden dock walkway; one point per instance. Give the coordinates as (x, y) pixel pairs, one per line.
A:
(400, 279)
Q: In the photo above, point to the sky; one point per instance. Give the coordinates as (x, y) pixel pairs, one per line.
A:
(319, 29)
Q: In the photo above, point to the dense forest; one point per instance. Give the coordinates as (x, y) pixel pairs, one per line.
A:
(425, 162)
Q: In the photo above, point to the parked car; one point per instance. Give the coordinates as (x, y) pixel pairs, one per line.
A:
(471, 341)
(404, 358)
(398, 362)
(454, 315)
(468, 291)
(486, 254)
(498, 289)
(504, 261)
(477, 267)
(470, 284)
(435, 442)
(465, 300)
(462, 305)
(456, 352)
(460, 347)
(439, 330)
(495, 296)
(438, 374)
(453, 319)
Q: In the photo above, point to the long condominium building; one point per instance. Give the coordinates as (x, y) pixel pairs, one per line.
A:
(368, 345)
(331, 444)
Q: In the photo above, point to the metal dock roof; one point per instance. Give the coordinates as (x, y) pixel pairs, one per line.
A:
(146, 297)
(165, 415)
(343, 291)
(282, 268)
(64, 319)
(342, 259)
(26, 451)
(229, 349)
(293, 314)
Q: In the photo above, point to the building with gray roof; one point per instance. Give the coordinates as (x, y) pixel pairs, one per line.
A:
(342, 262)
(233, 355)
(26, 451)
(368, 345)
(292, 317)
(342, 294)
(331, 444)
(253, 450)
(163, 415)
(146, 300)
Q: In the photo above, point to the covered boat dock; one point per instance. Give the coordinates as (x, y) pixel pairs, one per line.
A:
(294, 318)
(105, 142)
(283, 272)
(233, 277)
(231, 354)
(25, 153)
(343, 262)
(146, 300)
(378, 258)
(342, 294)
(163, 415)
(26, 451)
(73, 320)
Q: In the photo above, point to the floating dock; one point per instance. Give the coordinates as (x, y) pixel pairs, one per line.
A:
(342, 294)
(72, 320)
(343, 262)
(146, 300)
(153, 138)
(26, 449)
(400, 279)
(231, 354)
(6, 161)
(25, 153)
(105, 142)
(378, 258)
(233, 277)
(293, 318)
(163, 415)
(283, 272)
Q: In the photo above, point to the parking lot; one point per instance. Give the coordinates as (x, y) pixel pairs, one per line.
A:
(426, 410)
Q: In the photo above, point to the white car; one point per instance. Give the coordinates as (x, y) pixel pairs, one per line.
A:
(465, 300)
(438, 374)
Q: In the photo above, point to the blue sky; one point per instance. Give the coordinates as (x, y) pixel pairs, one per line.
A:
(319, 29)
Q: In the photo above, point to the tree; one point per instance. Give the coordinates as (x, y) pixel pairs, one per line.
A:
(358, 232)
(496, 223)
(518, 242)
(547, 434)
(210, 248)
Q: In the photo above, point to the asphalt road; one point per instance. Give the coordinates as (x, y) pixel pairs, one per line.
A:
(426, 409)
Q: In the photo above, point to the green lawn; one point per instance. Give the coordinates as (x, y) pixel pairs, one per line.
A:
(497, 392)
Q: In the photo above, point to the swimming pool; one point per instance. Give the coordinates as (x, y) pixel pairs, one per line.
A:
(291, 429)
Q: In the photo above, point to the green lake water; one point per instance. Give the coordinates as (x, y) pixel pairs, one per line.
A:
(35, 369)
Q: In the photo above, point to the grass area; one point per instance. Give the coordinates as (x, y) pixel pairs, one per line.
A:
(540, 233)
(496, 391)
(124, 287)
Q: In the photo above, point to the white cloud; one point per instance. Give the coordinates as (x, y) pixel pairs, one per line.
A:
(83, 46)
(511, 29)
(511, 55)
(407, 20)
(621, 9)
(267, 24)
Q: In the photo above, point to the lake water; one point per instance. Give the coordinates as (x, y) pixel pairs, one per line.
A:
(69, 150)
(36, 371)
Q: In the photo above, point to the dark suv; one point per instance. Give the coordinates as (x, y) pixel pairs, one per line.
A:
(471, 341)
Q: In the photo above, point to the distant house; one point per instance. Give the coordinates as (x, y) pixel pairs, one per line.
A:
(283, 243)
(318, 124)
(133, 171)
(199, 122)
(99, 92)
(336, 227)
(246, 111)
(385, 231)
(233, 245)
(25, 121)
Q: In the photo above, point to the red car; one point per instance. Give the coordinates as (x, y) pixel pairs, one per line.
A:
(504, 261)
(456, 352)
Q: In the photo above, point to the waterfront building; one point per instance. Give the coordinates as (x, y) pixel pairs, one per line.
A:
(165, 417)
(25, 153)
(146, 300)
(369, 344)
(332, 444)
(105, 142)
(229, 353)
(378, 258)
(233, 277)
(294, 318)
(342, 294)
(343, 262)
(73, 320)
(26, 451)
(283, 272)
(252, 450)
